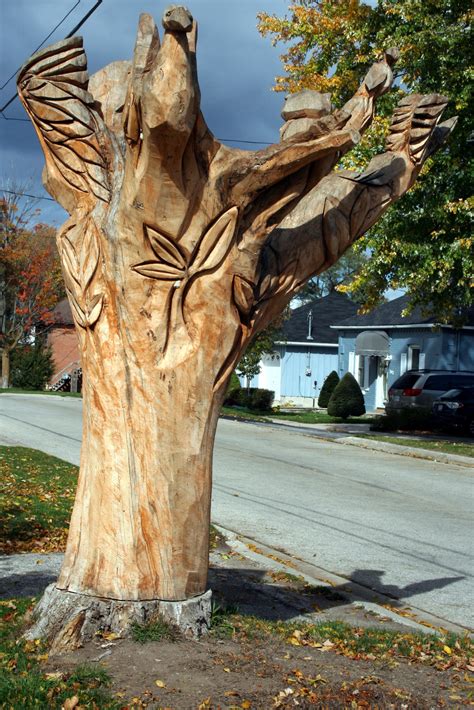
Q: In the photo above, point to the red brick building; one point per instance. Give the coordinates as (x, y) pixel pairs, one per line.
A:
(62, 340)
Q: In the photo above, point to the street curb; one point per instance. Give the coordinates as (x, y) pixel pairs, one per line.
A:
(437, 456)
(412, 452)
(358, 595)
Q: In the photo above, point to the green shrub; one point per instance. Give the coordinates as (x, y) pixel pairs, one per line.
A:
(234, 382)
(253, 398)
(233, 387)
(329, 385)
(347, 399)
(404, 420)
(261, 400)
(31, 367)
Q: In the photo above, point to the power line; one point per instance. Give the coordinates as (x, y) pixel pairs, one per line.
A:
(74, 29)
(43, 42)
(25, 194)
(223, 140)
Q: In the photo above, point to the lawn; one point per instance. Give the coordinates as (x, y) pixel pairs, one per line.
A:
(35, 501)
(448, 447)
(310, 417)
(245, 662)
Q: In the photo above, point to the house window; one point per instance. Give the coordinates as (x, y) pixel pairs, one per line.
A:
(414, 360)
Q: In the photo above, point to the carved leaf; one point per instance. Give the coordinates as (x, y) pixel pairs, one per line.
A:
(359, 212)
(243, 294)
(334, 226)
(70, 260)
(53, 86)
(215, 244)
(94, 308)
(166, 249)
(77, 311)
(89, 254)
(158, 270)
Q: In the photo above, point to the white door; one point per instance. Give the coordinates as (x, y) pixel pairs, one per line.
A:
(380, 384)
(270, 374)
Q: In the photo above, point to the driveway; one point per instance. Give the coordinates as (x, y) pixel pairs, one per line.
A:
(398, 525)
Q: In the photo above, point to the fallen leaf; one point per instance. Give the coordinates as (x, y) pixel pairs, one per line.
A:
(56, 675)
(231, 693)
(226, 670)
(160, 683)
(447, 650)
(246, 704)
(70, 703)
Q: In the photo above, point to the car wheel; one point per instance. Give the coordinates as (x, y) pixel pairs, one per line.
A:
(470, 427)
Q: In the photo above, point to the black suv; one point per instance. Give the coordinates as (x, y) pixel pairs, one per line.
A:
(455, 409)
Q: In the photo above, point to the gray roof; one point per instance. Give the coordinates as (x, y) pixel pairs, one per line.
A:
(326, 311)
(390, 314)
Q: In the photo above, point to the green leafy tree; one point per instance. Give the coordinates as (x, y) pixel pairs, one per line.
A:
(329, 385)
(31, 366)
(340, 277)
(347, 399)
(424, 242)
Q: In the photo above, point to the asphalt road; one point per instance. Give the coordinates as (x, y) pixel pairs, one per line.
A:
(399, 525)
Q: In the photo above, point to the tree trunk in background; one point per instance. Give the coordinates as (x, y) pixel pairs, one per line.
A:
(5, 368)
(177, 252)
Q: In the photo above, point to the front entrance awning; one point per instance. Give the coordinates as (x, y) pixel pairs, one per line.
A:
(372, 342)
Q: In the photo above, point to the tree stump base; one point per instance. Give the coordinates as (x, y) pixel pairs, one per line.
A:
(68, 620)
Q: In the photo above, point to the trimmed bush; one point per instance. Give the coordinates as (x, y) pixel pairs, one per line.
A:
(234, 382)
(329, 385)
(253, 398)
(31, 367)
(261, 400)
(347, 399)
(232, 396)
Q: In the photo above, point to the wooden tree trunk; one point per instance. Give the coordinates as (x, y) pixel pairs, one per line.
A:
(5, 368)
(178, 250)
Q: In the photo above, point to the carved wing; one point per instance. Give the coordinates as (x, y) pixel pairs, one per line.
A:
(413, 122)
(52, 85)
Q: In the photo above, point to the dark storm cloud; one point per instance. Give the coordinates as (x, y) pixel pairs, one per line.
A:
(236, 67)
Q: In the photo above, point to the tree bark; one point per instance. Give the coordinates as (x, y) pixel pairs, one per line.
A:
(5, 368)
(177, 252)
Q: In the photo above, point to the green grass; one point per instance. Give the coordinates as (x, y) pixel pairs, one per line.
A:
(156, 630)
(447, 649)
(309, 417)
(18, 390)
(24, 681)
(447, 447)
(36, 500)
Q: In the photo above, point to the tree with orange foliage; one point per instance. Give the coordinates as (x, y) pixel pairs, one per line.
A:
(30, 276)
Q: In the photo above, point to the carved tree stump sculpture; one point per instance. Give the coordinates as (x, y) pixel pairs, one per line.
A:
(178, 250)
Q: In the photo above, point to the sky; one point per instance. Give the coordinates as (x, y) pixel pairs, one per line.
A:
(237, 68)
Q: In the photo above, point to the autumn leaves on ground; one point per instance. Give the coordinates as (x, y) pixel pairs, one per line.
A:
(245, 662)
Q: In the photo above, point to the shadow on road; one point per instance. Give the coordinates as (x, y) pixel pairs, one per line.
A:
(372, 579)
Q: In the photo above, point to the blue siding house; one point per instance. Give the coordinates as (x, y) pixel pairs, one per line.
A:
(307, 352)
(380, 346)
